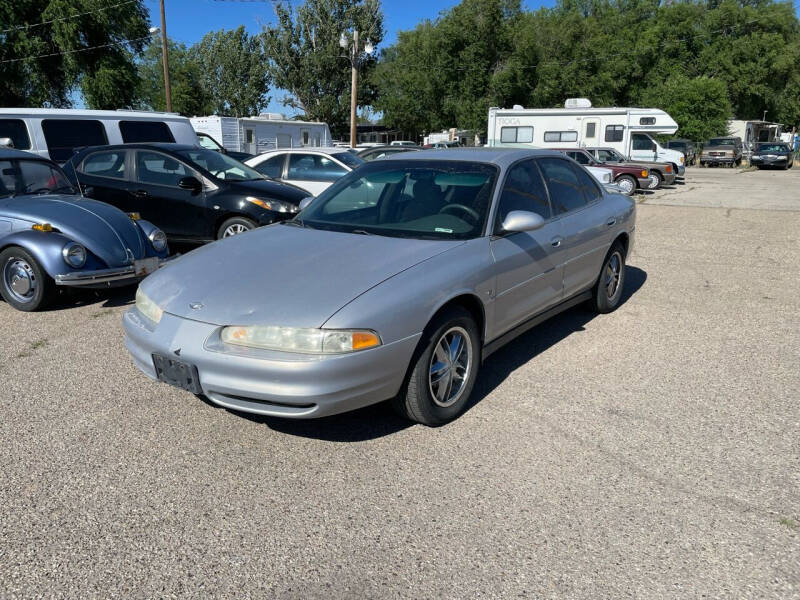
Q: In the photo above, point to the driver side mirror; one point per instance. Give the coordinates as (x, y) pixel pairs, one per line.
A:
(306, 201)
(190, 183)
(522, 220)
(653, 147)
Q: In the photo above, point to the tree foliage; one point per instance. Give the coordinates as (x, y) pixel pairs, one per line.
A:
(305, 58)
(233, 69)
(701, 60)
(64, 45)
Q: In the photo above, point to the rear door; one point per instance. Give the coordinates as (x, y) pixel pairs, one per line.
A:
(104, 175)
(528, 264)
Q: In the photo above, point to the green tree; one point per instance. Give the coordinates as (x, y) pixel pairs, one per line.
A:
(305, 58)
(49, 48)
(189, 96)
(233, 69)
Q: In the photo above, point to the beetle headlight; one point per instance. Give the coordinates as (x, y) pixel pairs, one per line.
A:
(295, 339)
(159, 240)
(147, 307)
(74, 255)
(273, 205)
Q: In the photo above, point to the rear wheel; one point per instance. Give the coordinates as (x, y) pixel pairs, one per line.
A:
(608, 289)
(627, 183)
(235, 226)
(443, 370)
(23, 282)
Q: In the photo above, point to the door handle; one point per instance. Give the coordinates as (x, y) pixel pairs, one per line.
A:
(139, 193)
(611, 222)
(556, 241)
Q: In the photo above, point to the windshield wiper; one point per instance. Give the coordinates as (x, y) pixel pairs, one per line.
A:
(362, 232)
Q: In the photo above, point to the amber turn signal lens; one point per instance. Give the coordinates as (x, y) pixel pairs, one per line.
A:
(134, 216)
(645, 173)
(364, 339)
(42, 227)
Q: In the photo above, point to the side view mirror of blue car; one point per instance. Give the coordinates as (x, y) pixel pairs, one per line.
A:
(522, 220)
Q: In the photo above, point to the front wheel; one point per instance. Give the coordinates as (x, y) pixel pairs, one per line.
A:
(656, 180)
(235, 226)
(443, 371)
(627, 183)
(23, 282)
(608, 289)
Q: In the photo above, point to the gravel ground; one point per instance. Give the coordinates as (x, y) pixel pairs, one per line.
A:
(650, 453)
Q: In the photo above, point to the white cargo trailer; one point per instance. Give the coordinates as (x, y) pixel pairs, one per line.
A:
(578, 124)
(268, 131)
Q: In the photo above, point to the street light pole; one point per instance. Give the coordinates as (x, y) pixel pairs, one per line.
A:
(165, 59)
(354, 92)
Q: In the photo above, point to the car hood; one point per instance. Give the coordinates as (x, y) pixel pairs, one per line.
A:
(104, 230)
(282, 275)
(268, 189)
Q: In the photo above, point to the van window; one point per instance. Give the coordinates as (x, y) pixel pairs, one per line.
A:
(647, 121)
(137, 132)
(590, 130)
(560, 136)
(642, 142)
(105, 164)
(64, 136)
(615, 133)
(16, 130)
(510, 135)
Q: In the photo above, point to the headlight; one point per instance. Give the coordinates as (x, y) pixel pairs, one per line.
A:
(147, 307)
(294, 339)
(74, 255)
(159, 240)
(273, 205)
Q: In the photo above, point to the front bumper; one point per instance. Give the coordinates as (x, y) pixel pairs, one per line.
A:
(681, 170)
(644, 182)
(778, 161)
(270, 383)
(717, 160)
(104, 277)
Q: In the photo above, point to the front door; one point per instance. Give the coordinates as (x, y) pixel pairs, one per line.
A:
(643, 147)
(313, 172)
(180, 213)
(528, 264)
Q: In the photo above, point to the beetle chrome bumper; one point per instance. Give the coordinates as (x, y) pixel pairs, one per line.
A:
(106, 276)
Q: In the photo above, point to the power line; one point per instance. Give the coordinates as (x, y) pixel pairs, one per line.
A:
(73, 16)
(110, 44)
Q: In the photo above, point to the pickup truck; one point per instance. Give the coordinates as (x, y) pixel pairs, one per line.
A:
(722, 151)
(628, 177)
(661, 173)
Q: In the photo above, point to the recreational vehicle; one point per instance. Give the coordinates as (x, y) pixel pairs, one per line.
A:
(627, 130)
(268, 131)
(752, 132)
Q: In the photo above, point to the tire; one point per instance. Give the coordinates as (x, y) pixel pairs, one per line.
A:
(23, 282)
(660, 178)
(235, 226)
(602, 301)
(628, 183)
(423, 399)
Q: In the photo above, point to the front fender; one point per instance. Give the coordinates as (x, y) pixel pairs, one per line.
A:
(45, 247)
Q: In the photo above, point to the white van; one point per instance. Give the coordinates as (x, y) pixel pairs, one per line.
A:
(56, 133)
(627, 130)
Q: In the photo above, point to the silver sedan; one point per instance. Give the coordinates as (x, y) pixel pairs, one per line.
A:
(393, 284)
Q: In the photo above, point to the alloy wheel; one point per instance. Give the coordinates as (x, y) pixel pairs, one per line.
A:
(234, 229)
(450, 366)
(612, 274)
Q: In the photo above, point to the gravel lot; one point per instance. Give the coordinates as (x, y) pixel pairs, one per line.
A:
(650, 453)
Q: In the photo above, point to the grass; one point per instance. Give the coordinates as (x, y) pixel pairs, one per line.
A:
(38, 344)
(102, 313)
(788, 522)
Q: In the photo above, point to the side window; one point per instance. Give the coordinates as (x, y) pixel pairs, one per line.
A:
(560, 136)
(615, 133)
(16, 130)
(510, 135)
(642, 142)
(305, 137)
(588, 185)
(314, 167)
(580, 157)
(272, 167)
(159, 169)
(523, 189)
(207, 142)
(134, 132)
(605, 156)
(105, 164)
(64, 136)
(8, 178)
(590, 130)
(647, 121)
(566, 191)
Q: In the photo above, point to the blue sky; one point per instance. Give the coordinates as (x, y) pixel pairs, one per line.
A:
(189, 20)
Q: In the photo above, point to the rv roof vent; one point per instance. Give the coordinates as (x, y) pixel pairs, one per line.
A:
(578, 103)
(518, 107)
(271, 116)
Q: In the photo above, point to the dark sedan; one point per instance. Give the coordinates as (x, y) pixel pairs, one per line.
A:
(192, 193)
(772, 154)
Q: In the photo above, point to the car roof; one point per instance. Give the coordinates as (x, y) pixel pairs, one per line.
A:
(311, 150)
(11, 153)
(497, 156)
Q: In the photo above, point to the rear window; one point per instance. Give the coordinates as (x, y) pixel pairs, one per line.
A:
(137, 132)
(16, 130)
(65, 136)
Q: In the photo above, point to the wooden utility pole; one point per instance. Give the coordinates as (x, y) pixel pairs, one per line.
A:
(164, 59)
(354, 93)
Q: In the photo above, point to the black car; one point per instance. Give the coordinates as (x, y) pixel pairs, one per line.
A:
(191, 193)
(381, 151)
(687, 147)
(772, 154)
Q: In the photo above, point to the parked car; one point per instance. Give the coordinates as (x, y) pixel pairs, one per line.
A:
(429, 262)
(628, 177)
(52, 236)
(442, 145)
(772, 154)
(193, 194)
(313, 169)
(661, 173)
(209, 143)
(382, 151)
(686, 146)
(402, 143)
(722, 151)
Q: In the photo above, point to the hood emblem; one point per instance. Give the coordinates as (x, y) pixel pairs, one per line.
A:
(177, 352)
(196, 305)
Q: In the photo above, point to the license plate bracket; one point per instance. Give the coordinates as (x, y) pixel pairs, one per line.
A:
(177, 373)
(145, 266)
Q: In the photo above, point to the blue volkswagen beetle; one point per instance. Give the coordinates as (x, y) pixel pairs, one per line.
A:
(52, 236)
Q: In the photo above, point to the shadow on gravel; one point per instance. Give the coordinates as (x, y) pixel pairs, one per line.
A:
(378, 420)
(107, 298)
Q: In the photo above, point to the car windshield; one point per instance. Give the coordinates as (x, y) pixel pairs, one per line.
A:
(32, 177)
(351, 160)
(423, 199)
(219, 165)
(773, 148)
(721, 142)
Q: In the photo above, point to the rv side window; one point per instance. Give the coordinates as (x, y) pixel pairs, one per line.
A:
(614, 133)
(64, 136)
(590, 130)
(138, 132)
(560, 136)
(647, 121)
(510, 135)
(16, 130)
